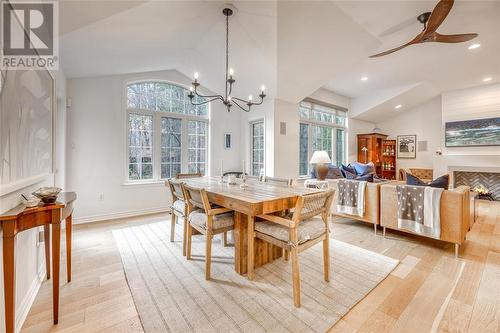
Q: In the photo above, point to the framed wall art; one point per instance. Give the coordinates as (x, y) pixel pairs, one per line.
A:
(406, 146)
(478, 132)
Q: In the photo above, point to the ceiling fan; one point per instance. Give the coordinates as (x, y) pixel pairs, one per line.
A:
(432, 21)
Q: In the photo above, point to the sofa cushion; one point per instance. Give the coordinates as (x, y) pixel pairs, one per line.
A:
(440, 182)
(199, 218)
(363, 169)
(307, 229)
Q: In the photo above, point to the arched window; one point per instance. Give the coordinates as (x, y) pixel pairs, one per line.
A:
(167, 135)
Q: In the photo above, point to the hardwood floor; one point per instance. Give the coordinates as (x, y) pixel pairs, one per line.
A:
(430, 291)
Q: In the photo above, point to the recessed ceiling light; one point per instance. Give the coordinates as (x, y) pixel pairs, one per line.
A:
(474, 46)
(487, 79)
(364, 78)
(398, 106)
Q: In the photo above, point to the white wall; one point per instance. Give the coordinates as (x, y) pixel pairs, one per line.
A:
(30, 255)
(423, 121)
(286, 146)
(97, 147)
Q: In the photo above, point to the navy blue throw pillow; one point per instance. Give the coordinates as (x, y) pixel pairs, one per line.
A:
(313, 172)
(349, 175)
(347, 169)
(440, 182)
(368, 177)
(334, 172)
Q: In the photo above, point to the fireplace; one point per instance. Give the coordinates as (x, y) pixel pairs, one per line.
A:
(486, 184)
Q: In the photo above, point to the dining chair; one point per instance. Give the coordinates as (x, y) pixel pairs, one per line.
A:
(178, 210)
(296, 233)
(279, 181)
(206, 220)
(253, 178)
(187, 175)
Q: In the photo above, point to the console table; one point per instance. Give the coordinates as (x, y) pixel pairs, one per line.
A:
(21, 218)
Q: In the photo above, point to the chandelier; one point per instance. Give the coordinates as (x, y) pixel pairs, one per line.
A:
(226, 99)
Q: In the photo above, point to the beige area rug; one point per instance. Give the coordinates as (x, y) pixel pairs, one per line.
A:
(172, 295)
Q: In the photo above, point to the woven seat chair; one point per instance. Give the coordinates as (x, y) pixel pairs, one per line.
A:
(253, 178)
(178, 210)
(206, 220)
(296, 234)
(279, 181)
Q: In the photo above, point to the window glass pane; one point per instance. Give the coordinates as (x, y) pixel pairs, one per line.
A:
(304, 149)
(162, 96)
(340, 151)
(171, 134)
(340, 120)
(140, 146)
(197, 146)
(322, 139)
(257, 163)
(303, 112)
(322, 116)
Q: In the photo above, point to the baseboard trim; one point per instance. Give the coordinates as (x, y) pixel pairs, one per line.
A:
(25, 305)
(120, 215)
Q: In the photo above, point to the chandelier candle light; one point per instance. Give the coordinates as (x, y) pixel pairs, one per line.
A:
(226, 99)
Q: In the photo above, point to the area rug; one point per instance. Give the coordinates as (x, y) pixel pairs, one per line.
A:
(172, 295)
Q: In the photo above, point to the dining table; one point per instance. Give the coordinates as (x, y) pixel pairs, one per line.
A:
(248, 202)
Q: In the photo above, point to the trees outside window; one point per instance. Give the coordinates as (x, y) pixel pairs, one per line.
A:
(321, 128)
(166, 134)
(258, 147)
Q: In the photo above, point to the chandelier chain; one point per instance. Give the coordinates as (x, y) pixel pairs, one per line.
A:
(227, 99)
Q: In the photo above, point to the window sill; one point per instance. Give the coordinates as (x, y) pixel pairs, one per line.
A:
(152, 183)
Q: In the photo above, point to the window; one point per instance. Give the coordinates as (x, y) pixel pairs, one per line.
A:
(257, 149)
(321, 128)
(167, 135)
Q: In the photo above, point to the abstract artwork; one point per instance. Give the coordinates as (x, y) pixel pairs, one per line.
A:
(406, 145)
(479, 132)
(26, 121)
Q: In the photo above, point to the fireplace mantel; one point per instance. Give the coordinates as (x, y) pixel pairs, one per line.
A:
(473, 163)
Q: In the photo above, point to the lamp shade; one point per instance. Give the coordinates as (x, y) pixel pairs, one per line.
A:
(320, 157)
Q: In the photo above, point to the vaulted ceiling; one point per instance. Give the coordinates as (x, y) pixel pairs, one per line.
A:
(294, 47)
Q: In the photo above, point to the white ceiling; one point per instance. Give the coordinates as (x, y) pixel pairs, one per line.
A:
(294, 47)
(419, 72)
(185, 35)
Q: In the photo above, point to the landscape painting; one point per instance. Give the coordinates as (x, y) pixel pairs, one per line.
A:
(479, 132)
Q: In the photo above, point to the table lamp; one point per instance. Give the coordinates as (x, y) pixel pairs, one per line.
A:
(321, 159)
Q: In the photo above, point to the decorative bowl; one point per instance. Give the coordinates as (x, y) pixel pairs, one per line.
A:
(47, 194)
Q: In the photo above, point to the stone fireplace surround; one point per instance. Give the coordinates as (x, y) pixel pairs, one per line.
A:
(490, 180)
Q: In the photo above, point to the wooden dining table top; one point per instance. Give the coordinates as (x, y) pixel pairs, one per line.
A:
(257, 198)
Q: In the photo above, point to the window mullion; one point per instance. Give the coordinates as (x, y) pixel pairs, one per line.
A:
(157, 147)
(184, 146)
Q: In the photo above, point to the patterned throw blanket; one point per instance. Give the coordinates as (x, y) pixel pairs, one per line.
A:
(351, 197)
(419, 209)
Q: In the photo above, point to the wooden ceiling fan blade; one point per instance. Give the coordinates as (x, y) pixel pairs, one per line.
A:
(459, 38)
(416, 40)
(438, 15)
(390, 51)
